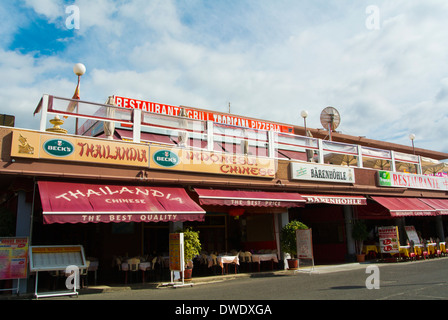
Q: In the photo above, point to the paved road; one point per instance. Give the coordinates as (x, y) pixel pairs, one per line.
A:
(280, 294)
(421, 280)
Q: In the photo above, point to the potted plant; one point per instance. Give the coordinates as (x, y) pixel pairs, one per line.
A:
(192, 248)
(359, 234)
(288, 241)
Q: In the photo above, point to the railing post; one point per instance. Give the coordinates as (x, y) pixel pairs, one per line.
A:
(392, 161)
(210, 138)
(272, 144)
(137, 125)
(359, 148)
(419, 165)
(44, 113)
(321, 150)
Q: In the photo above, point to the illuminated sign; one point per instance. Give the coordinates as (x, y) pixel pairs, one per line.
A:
(211, 162)
(412, 181)
(38, 145)
(319, 172)
(203, 115)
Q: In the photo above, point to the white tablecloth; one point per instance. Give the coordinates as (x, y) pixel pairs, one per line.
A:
(228, 259)
(144, 266)
(264, 257)
(221, 260)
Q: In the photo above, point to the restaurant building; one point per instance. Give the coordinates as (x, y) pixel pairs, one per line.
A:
(129, 172)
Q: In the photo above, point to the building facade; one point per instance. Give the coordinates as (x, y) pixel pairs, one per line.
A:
(129, 172)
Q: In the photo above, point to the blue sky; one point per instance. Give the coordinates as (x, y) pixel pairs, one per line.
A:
(269, 58)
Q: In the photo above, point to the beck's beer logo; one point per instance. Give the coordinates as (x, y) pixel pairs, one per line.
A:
(166, 158)
(58, 147)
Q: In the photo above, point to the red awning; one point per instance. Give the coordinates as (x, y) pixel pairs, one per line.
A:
(440, 205)
(335, 199)
(64, 202)
(249, 198)
(400, 207)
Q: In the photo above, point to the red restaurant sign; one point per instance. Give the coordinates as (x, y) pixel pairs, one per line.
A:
(201, 115)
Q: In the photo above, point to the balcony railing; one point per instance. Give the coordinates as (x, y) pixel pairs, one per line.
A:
(87, 118)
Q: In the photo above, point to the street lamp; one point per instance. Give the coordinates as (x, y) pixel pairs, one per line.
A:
(412, 137)
(304, 114)
(79, 69)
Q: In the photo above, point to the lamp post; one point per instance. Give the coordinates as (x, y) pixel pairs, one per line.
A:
(304, 114)
(79, 69)
(412, 137)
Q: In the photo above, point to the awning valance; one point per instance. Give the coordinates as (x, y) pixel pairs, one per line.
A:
(402, 206)
(335, 199)
(249, 198)
(65, 202)
(440, 205)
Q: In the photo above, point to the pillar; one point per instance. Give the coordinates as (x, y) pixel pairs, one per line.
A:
(281, 221)
(23, 229)
(174, 226)
(400, 223)
(439, 228)
(348, 217)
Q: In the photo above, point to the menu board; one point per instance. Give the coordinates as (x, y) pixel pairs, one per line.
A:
(412, 234)
(389, 240)
(13, 258)
(304, 244)
(176, 244)
(48, 258)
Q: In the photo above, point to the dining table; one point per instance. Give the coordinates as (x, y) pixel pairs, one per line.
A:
(144, 266)
(442, 247)
(259, 257)
(405, 251)
(432, 248)
(370, 248)
(93, 267)
(223, 261)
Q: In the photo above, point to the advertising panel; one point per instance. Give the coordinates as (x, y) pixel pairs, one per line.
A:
(304, 244)
(176, 249)
(389, 240)
(204, 115)
(13, 258)
(211, 162)
(413, 181)
(320, 172)
(48, 258)
(47, 146)
(412, 234)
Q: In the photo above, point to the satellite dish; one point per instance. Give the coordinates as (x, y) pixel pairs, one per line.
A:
(330, 119)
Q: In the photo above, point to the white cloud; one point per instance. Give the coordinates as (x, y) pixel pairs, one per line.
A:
(52, 9)
(269, 59)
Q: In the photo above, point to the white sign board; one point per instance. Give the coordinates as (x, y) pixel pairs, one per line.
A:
(304, 244)
(412, 234)
(389, 241)
(54, 258)
(322, 172)
(57, 258)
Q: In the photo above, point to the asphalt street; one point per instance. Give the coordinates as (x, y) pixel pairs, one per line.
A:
(420, 280)
(372, 289)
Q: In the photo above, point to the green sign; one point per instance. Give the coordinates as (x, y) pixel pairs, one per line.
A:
(384, 178)
(166, 158)
(58, 147)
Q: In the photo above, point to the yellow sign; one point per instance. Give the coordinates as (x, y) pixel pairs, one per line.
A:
(176, 243)
(55, 249)
(211, 162)
(38, 145)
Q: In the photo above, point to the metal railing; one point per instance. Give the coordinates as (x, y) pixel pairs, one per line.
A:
(211, 136)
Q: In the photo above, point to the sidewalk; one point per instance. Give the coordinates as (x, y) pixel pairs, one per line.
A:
(318, 269)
